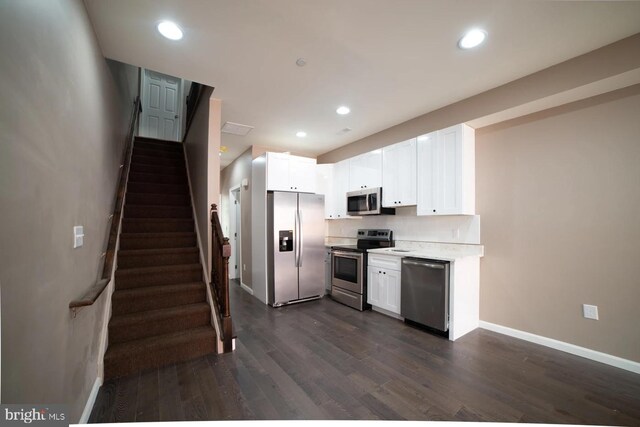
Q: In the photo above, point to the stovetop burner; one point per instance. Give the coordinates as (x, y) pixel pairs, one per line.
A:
(369, 239)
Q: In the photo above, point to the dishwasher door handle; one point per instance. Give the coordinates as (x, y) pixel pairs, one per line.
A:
(424, 264)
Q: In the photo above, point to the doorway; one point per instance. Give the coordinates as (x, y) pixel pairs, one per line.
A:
(161, 106)
(235, 230)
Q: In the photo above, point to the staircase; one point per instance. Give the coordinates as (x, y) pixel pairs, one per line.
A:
(160, 314)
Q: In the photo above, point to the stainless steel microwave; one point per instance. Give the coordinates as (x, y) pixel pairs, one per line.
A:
(367, 202)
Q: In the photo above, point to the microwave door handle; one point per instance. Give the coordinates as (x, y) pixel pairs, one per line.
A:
(368, 199)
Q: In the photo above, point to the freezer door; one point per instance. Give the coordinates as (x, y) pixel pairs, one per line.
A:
(283, 273)
(311, 252)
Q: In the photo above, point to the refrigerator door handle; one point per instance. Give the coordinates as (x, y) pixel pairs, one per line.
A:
(300, 239)
(296, 242)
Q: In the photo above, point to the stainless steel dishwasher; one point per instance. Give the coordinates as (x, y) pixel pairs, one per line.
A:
(425, 292)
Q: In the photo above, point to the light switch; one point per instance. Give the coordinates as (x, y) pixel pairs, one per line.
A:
(78, 236)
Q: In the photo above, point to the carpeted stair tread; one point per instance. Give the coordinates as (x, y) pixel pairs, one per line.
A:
(150, 187)
(157, 225)
(157, 240)
(153, 160)
(148, 139)
(156, 297)
(157, 211)
(157, 275)
(134, 258)
(149, 145)
(165, 170)
(142, 324)
(127, 357)
(157, 178)
(159, 312)
(158, 199)
(150, 252)
(138, 151)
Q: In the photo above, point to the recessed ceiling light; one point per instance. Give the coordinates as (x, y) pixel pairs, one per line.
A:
(343, 110)
(301, 134)
(170, 30)
(472, 39)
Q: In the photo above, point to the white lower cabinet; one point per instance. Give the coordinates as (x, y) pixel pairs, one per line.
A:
(383, 282)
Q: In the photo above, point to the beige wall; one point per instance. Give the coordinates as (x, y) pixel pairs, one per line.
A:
(559, 199)
(63, 120)
(585, 72)
(231, 177)
(202, 144)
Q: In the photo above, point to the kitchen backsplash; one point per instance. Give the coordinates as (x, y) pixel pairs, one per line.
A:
(407, 226)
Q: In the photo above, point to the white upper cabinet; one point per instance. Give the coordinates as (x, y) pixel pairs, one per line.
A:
(365, 171)
(290, 173)
(340, 188)
(399, 178)
(324, 185)
(332, 181)
(446, 172)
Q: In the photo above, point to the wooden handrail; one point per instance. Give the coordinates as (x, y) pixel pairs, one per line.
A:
(92, 294)
(220, 253)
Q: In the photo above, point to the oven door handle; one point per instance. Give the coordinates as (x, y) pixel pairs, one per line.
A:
(347, 254)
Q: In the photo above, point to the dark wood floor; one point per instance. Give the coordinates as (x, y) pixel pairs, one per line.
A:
(322, 360)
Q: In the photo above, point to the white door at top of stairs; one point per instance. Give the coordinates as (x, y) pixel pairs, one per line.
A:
(161, 95)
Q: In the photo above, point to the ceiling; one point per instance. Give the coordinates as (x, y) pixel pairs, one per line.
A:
(388, 60)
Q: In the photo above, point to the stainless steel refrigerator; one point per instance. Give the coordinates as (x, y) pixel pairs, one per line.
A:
(295, 245)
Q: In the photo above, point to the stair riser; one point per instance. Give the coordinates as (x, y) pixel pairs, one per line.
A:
(168, 143)
(157, 199)
(145, 187)
(157, 146)
(158, 178)
(129, 281)
(157, 161)
(134, 305)
(144, 360)
(157, 242)
(166, 170)
(143, 329)
(139, 211)
(142, 226)
(138, 151)
(136, 261)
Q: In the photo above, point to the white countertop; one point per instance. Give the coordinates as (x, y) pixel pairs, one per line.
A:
(431, 250)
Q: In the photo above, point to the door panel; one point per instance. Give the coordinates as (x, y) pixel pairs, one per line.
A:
(160, 106)
(311, 270)
(283, 280)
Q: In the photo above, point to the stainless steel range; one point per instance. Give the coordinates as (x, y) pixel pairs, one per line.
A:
(349, 264)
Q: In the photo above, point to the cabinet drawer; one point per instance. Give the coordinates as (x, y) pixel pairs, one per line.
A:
(384, 261)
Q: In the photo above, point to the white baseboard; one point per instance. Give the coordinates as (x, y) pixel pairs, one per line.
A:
(246, 288)
(88, 407)
(608, 359)
(387, 312)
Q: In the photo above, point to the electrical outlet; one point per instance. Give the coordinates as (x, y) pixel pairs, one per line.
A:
(590, 311)
(244, 267)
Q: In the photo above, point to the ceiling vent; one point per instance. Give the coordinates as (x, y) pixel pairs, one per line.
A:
(236, 129)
